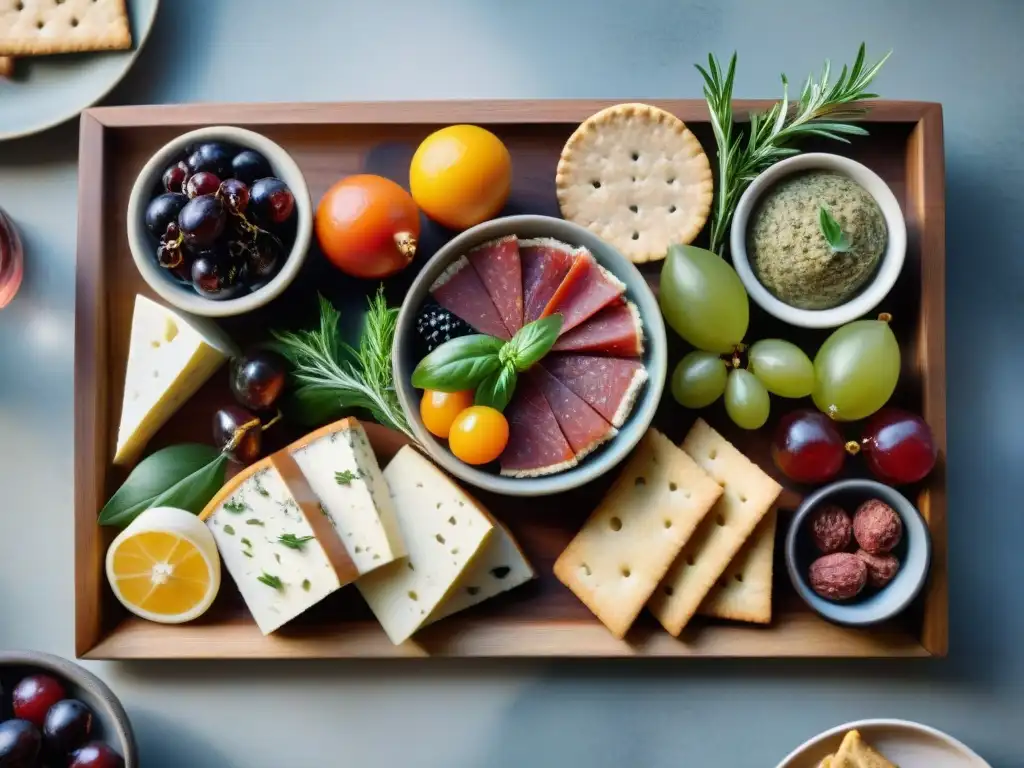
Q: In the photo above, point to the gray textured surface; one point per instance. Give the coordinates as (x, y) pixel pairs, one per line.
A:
(727, 713)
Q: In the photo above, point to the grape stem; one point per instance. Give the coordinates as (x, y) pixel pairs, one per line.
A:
(406, 244)
(852, 447)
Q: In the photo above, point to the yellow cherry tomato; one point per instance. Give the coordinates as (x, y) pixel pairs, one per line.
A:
(478, 435)
(461, 175)
(439, 409)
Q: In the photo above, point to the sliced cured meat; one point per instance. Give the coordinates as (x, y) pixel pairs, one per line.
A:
(586, 289)
(583, 427)
(497, 264)
(610, 385)
(615, 330)
(460, 291)
(545, 264)
(536, 445)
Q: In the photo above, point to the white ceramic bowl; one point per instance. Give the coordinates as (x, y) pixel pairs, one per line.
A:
(143, 246)
(885, 275)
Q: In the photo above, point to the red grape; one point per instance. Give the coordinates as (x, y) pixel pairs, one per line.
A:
(95, 754)
(202, 183)
(33, 697)
(898, 446)
(174, 178)
(235, 195)
(808, 447)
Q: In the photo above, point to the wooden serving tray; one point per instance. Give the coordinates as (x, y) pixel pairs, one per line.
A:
(542, 619)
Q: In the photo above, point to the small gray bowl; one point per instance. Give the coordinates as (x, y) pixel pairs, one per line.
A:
(871, 606)
(111, 724)
(655, 355)
(143, 246)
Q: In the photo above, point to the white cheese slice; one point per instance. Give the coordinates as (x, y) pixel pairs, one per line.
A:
(444, 530)
(276, 542)
(169, 358)
(501, 566)
(340, 466)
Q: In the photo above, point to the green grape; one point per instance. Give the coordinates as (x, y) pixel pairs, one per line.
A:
(746, 399)
(703, 299)
(699, 379)
(782, 367)
(856, 369)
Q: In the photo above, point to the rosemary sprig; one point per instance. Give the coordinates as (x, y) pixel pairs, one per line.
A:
(330, 375)
(823, 109)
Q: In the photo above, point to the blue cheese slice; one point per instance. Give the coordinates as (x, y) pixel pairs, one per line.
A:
(169, 358)
(500, 567)
(444, 530)
(276, 541)
(340, 466)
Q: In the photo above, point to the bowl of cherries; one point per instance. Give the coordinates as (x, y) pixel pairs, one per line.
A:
(54, 714)
(219, 221)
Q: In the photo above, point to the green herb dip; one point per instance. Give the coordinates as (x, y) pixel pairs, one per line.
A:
(789, 253)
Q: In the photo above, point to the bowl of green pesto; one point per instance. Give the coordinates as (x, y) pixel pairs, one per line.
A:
(818, 240)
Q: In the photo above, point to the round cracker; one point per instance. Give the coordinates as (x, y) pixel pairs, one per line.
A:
(636, 176)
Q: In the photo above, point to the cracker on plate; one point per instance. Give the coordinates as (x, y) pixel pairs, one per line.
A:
(38, 27)
(635, 175)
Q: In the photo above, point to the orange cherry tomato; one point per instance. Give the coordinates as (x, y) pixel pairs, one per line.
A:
(368, 226)
(461, 175)
(478, 435)
(439, 409)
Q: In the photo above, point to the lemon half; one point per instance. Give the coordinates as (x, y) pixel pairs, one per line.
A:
(164, 566)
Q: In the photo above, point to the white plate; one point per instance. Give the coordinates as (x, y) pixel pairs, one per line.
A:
(47, 90)
(907, 744)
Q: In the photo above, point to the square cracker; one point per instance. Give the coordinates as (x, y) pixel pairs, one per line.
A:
(744, 593)
(35, 27)
(628, 543)
(748, 494)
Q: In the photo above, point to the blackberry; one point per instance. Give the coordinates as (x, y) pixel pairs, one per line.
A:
(436, 325)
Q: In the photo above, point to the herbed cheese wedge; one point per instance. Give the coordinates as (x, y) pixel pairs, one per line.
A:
(169, 358)
(500, 567)
(276, 542)
(444, 531)
(340, 466)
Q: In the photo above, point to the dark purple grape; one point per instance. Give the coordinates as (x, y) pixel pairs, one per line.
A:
(96, 754)
(172, 232)
(218, 278)
(249, 165)
(258, 378)
(174, 178)
(202, 220)
(202, 183)
(19, 744)
(213, 157)
(68, 726)
(229, 420)
(235, 195)
(162, 210)
(270, 201)
(265, 254)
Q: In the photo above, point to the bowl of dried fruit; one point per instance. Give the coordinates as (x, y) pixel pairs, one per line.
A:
(858, 552)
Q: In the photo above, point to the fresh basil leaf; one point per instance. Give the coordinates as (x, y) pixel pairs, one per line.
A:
(534, 340)
(497, 389)
(458, 364)
(185, 476)
(837, 240)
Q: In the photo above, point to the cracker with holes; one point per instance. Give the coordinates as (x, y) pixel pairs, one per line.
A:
(38, 27)
(744, 593)
(628, 543)
(636, 176)
(748, 494)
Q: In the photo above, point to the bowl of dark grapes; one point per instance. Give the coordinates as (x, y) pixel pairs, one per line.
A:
(220, 221)
(54, 713)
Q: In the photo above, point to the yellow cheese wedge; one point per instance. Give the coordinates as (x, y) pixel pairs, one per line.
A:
(170, 357)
